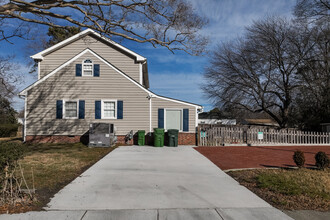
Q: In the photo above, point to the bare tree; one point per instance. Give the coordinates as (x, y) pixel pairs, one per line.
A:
(169, 23)
(258, 72)
(313, 100)
(313, 9)
(8, 77)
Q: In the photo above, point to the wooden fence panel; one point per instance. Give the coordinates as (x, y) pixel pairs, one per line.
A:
(209, 135)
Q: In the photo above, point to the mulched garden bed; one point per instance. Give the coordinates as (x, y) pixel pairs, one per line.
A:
(234, 157)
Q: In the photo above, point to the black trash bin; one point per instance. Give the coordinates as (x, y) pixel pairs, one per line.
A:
(173, 135)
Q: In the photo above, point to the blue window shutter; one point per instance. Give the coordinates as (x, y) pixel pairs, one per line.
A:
(120, 108)
(81, 109)
(59, 109)
(160, 118)
(185, 119)
(96, 70)
(78, 69)
(97, 109)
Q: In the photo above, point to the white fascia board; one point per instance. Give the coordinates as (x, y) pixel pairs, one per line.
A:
(151, 94)
(139, 58)
(39, 56)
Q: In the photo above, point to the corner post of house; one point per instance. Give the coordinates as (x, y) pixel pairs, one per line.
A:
(140, 73)
(25, 118)
(39, 69)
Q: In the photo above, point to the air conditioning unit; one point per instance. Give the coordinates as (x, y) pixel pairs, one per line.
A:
(102, 135)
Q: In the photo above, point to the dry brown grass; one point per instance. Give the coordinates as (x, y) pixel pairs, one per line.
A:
(54, 166)
(294, 189)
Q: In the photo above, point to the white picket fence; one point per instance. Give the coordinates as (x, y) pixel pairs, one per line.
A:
(218, 136)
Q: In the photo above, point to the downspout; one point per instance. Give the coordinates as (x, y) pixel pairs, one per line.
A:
(150, 96)
(38, 69)
(25, 114)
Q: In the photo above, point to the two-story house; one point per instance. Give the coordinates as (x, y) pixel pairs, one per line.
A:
(88, 78)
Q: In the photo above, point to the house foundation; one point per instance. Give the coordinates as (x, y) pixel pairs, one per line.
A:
(183, 139)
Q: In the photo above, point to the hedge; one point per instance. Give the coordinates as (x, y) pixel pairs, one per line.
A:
(8, 130)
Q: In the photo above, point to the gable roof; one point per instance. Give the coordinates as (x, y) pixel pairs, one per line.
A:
(151, 94)
(40, 55)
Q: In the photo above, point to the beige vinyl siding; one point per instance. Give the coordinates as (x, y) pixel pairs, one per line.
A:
(166, 104)
(119, 59)
(64, 85)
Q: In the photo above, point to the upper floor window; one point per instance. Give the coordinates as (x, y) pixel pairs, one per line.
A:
(87, 69)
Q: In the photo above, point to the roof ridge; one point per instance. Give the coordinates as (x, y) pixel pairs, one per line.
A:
(39, 56)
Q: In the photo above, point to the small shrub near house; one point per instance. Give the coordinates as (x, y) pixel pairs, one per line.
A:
(8, 130)
(299, 158)
(11, 179)
(321, 160)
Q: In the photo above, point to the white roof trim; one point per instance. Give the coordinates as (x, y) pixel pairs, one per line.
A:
(39, 56)
(151, 94)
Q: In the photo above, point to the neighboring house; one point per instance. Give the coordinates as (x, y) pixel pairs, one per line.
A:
(88, 79)
(325, 127)
(217, 121)
(259, 122)
(20, 121)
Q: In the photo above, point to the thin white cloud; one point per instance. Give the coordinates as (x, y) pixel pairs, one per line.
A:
(228, 18)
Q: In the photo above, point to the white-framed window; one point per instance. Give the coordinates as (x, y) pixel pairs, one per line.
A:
(109, 109)
(87, 67)
(173, 119)
(70, 109)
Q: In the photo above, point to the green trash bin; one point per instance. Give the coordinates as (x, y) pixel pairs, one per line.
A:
(141, 137)
(173, 135)
(159, 137)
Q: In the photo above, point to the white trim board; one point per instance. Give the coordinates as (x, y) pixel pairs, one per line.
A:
(151, 94)
(40, 55)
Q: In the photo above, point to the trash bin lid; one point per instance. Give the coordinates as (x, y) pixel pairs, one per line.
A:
(159, 130)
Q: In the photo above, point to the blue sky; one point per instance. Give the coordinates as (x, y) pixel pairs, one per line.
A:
(179, 75)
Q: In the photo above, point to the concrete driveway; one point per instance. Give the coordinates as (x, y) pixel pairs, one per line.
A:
(159, 183)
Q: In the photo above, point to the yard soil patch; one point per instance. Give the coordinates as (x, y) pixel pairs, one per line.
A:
(234, 157)
(292, 189)
(54, 166)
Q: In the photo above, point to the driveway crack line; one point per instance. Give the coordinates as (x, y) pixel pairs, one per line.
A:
(83, 215)
(219, 214)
